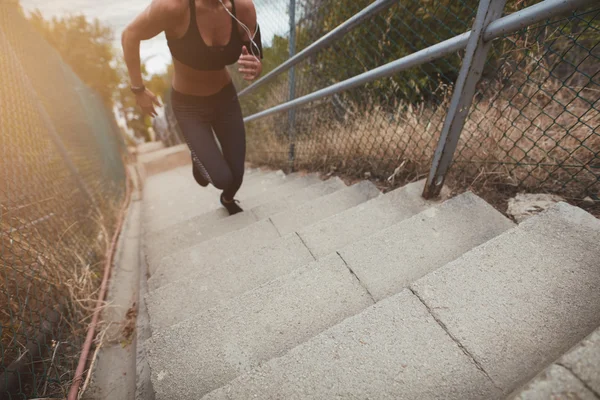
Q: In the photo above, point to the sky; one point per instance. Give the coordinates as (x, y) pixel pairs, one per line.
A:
(272, 17)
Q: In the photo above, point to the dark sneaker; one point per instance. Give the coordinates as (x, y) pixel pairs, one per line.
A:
(232, 207)
(202, 181)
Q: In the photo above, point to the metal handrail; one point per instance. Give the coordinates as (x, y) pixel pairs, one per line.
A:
(324, 41)
(502, 26)
(529, 16)
(429, 54)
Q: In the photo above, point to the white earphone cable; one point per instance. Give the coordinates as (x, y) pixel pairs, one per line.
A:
(250, 35)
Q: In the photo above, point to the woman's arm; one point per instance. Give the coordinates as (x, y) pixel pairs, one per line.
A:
(152, 21)
(250, 64)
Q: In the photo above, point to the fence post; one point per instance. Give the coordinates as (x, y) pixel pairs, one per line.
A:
(462, 97)
(292, 87)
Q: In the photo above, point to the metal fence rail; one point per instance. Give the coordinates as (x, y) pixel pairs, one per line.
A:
(61, 179)
(372, 97)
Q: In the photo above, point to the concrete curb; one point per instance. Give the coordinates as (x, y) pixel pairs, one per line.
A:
(114, 374)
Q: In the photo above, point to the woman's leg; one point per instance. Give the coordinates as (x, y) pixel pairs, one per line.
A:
(195, 125)
(229, 129)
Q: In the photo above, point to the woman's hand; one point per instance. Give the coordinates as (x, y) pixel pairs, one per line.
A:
(250, 66)
(147, 101)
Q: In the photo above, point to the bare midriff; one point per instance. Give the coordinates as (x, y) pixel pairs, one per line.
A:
(198, 83)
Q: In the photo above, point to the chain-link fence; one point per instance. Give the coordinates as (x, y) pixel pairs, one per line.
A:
(536, 119)
(61, 180)
(534, 124)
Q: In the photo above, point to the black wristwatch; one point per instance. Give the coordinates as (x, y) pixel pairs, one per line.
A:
(138, 90)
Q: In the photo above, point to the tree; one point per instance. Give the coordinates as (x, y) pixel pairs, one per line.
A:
(404, 28)
(127, 107)
(86, 46)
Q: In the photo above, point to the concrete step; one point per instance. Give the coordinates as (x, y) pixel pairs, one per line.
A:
(393, 350)
(275, 342)
(191, 295)
(160, 244)
(475, 329)
(335, 232)
(227, 340)
(385, 271)
(303, 181)
(393, 258)
(160, 188)
(208, 225)
(186, 262)
(296, 198)
(520, 301)
(180, 264)
(217, 282)
(556, 382)
(162, 160)
(324, 207)
(251, 171)
(263, 184)
(576, 375)
(299, 198)
(172, 202)
(180, 180)
(195, 200)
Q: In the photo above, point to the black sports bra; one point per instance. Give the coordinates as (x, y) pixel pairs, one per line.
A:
(193, 52)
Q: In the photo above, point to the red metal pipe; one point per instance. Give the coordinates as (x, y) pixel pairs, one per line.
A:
(110, 252)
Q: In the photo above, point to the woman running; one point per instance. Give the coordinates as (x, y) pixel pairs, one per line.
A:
(204, 36)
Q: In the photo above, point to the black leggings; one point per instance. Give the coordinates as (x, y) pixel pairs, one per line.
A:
(198, 117)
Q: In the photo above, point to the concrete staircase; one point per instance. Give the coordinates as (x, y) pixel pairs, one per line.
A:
(321, 290)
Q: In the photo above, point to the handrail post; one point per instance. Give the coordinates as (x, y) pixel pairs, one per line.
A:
(292, 87)
(462, 97)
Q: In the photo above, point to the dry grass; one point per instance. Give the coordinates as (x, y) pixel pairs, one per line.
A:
(537, 132)
(53, 265)
(51, 243)
(530, 132)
